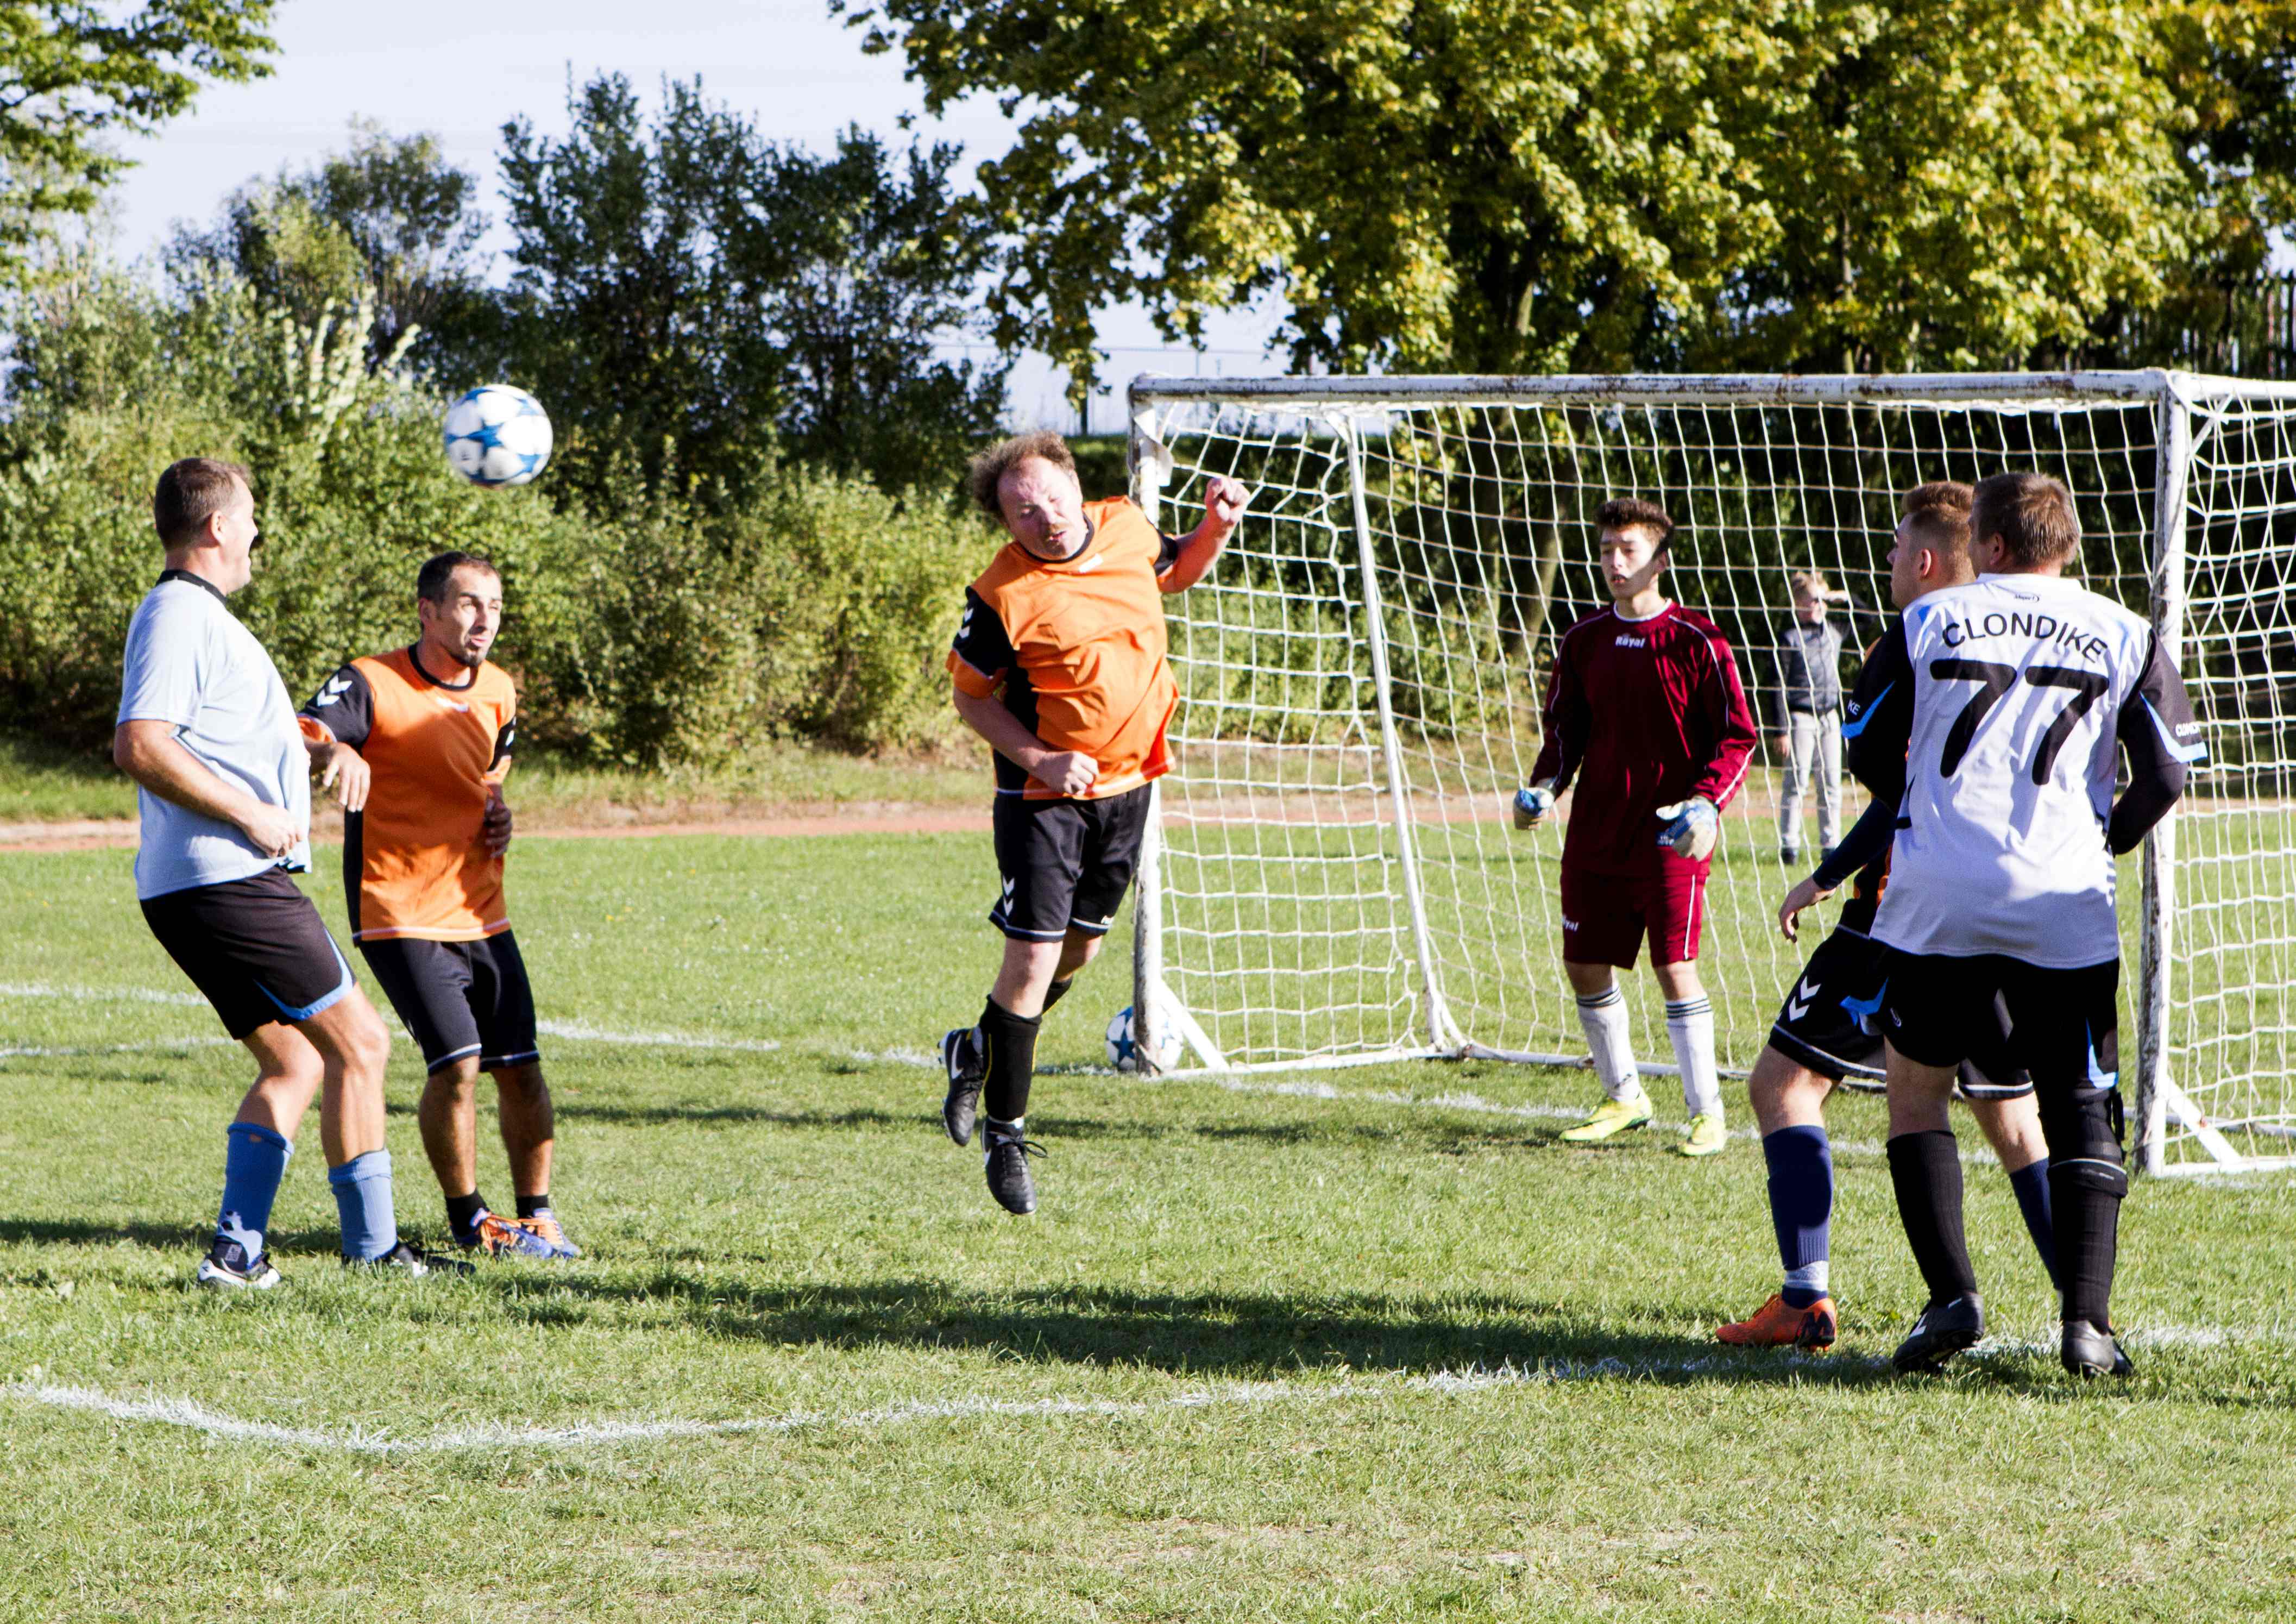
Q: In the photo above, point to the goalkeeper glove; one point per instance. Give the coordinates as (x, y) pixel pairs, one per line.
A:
(1532, 803)
(1691, 827)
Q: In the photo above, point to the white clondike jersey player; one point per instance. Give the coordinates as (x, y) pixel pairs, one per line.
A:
(1994, 715)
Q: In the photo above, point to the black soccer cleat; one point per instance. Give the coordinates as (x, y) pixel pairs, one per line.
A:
(1943, 1330)
(1009, 1180)
(2088, 1351)
(228, 1268)
(960, 1057)
(414, 1260)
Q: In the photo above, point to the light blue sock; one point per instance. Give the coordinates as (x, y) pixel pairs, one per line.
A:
(362, 1188)
(254, 1161)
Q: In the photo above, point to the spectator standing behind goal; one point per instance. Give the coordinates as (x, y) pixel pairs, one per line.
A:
(1059, 664)
(207, 731)
(1810, 716)
(1644, 710)
(1993, 716)
(417, 742)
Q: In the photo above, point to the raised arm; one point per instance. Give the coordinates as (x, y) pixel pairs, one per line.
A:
(1192, 559)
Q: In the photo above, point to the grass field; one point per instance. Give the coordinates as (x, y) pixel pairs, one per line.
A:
(1359, 1345)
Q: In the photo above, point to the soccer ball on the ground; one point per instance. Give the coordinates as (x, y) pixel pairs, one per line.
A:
(1124, 1044)
(498, 435)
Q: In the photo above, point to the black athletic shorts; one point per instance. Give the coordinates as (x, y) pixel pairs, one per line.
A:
(1065, 864)
(1832, 1023)
(2063, 1024)
(459, 998)
(255, 947)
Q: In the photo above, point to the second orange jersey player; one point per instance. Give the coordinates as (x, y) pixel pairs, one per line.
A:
(417, 742)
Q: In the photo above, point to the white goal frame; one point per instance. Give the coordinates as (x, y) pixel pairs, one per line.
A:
(2248, 1119)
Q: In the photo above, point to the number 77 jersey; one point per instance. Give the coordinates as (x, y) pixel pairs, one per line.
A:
(1993, 713)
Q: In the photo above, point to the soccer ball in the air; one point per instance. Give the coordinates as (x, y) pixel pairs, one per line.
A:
(1124, 1044)
(498, 435)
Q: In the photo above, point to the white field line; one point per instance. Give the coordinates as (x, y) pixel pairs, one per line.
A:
(192, 1416)
(99, 995)
(582, 1031)
(164, 1046)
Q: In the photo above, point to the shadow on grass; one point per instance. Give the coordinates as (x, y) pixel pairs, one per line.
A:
(180, 1238)
(1211, 1334)
(1432, 1133)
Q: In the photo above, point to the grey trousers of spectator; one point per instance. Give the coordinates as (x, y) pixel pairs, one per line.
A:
(1812, 742)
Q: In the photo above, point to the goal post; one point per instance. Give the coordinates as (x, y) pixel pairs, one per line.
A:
(1331, 877)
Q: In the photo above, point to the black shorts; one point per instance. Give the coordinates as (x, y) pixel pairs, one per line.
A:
(255, 947)
(1065, 864)
(1831, 1023)
(458, 999)
(2063, 1024)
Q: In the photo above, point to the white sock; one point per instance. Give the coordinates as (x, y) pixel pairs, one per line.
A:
(1603, 1017)
(1691, 1024)
(1809, 1277)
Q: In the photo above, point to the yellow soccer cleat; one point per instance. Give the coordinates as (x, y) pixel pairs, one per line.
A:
(1611, 1117)
(1708, 1136)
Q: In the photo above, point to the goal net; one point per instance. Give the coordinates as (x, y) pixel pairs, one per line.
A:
(1333, 876)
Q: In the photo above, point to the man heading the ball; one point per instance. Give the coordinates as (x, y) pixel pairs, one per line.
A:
(207, 731)
(1993, 715)
(1645, 712)
(417, 742)
(1059, 664)
(1829, 1028)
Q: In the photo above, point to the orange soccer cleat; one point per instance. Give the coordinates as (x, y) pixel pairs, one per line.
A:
(1775, 1325)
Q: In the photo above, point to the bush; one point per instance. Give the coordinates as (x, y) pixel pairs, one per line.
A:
(817, 608)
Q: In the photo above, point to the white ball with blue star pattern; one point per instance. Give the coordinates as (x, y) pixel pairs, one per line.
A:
(1124, 1044)
(498, 435)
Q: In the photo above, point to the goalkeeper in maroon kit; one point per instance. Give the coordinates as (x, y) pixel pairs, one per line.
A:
(1644, 711)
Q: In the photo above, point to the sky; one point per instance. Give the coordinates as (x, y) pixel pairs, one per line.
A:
(461, 69)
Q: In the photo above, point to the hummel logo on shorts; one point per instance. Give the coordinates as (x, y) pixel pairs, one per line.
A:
(1806, 994)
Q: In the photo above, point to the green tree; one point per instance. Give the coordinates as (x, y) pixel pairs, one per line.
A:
(859, 260)
(1505, 185)
(77, 76)
(624, 316)
(389, 211)
(691, 300)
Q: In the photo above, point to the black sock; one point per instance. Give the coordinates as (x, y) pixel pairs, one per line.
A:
(1008, 1061)
(528, 1205)
(1054, 994)
(2031, 1184)
(462, 1211)
(1926, 1168)
(2085, 1199)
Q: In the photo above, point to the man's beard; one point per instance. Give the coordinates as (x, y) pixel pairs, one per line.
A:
(466, 658)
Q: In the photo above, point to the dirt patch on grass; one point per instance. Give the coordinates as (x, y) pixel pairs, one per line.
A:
(766, 822)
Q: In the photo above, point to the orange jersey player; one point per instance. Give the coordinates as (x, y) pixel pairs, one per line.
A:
(1059, 664)
(417, 742)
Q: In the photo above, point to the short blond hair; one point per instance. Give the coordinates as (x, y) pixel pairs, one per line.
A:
(1809, 586)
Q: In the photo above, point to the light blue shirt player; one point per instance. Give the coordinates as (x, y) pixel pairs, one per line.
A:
(191, 664)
